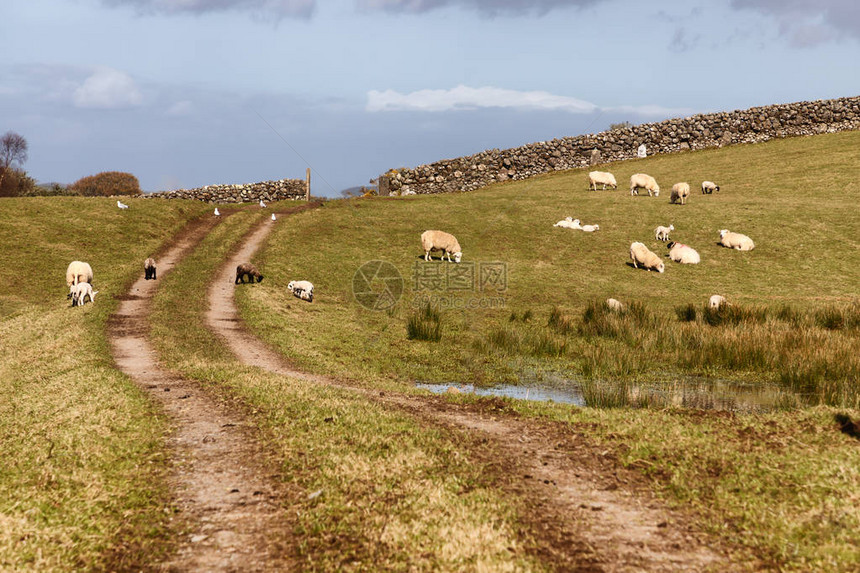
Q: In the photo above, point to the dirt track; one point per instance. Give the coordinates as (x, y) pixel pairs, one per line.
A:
(584, 511)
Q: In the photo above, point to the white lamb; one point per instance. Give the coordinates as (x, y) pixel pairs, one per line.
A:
(569, 223)
(684, 254)
(79, 292)
(642, 255)
(716, 301)
(79, 272)
(604, 178)
(590, 228)
(614, 305)
(662, 233)
(709, 187)
(441, 241)
(302, 289)
(680, 192)
(736, 241)
(643, 181)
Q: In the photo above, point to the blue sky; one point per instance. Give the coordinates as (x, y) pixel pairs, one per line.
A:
(185, 93)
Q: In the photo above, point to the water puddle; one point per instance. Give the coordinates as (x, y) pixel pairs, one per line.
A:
(564, 396)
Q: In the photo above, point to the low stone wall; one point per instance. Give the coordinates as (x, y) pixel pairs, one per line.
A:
(702, 131)
(281, 190)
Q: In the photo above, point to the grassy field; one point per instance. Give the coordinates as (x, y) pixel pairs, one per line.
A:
(782, 483)
(82, 460)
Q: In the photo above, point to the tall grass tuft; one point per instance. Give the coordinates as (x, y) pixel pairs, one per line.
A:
(558, 321)
(426, 324)
(686, 313)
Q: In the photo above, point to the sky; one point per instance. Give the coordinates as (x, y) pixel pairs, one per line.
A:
(186, 93)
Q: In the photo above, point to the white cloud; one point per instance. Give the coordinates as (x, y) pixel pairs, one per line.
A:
(180, 108)
(263, 8)
(466, 98)
(463, 97)
(809, 23)
(483, 7)
(107, 88)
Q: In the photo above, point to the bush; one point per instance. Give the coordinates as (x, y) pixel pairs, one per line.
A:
(16, 183)
(106, 184)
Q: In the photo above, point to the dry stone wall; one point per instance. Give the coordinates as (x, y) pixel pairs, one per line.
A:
(281, 190)
(702, 131)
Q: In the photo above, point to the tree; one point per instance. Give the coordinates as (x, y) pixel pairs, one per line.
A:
(13, 148)
(106, 184)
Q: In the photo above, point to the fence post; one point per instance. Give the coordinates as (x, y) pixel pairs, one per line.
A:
(308, 184)
(382, 184)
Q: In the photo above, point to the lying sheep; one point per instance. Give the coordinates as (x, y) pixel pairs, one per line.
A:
(247, 270)
(643, 181)
(302, 289)
(641, 255)
(709, 187)
(662, 233)
(79, 272)
(80, 291)
(590, 228)
(717, 300)
(736, 241)
(684, 254)
(614, 305)
(568, 223)
(149, 269)
(441, 241)
(604, 178)
(680, 192)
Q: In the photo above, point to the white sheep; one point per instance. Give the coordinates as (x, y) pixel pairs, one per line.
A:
(709, 187)
(78, 272)
(680, 192)
(661, 233)
(736, 241)
(302, 289)
(79, 292)
(149, 269)
(685, 254)
(569, 223)
(716, 301)
(441, 241)
(604, 178)
(642, 255)
(121, 205)
(590, 228)
(643, 181)
(614, 305)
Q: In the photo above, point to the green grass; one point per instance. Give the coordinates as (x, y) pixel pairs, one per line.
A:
(82, 462)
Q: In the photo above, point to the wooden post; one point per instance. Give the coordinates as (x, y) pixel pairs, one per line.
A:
(308, 184)
(382, 183)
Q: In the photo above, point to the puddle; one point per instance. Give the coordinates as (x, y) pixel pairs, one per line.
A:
(572, 396)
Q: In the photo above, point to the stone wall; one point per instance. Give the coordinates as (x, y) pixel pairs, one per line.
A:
(244, 193)
(702, 131)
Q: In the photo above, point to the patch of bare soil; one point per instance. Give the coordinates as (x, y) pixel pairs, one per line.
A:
(581, 509)
(228, 502)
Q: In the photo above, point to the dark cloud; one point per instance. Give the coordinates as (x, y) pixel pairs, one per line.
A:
(810, 22)
(484, 7)
(265, 9)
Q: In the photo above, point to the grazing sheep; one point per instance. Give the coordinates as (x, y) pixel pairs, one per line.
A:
(302, 289)
(604, 178)
(709, 187)
(680, 191)
(441, 241)
(79, 272)
(614, 305)
(717, 300)
(590, 228)
(685, 254)
(79, 292)
(641, 255)
(643, 181)
(121, 205)
(662, 233)
(569, 223)
(149, 269)
(736, 241)
(217, 212)
(247, 270)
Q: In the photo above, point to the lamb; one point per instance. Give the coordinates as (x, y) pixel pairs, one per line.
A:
(641, 255)
(604, 178)
(716, 301)
(680, 191)
(643, 181)
(149, 269)
(80, 291)
(302, 289)
(247, 270)
(614, 305)
(661, 233)
(709, 187)
(590, 228)
(684, 254)
(79, 272)
(568, 222)
(736, 241)
(441, 241)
